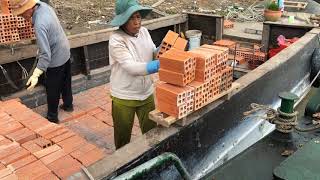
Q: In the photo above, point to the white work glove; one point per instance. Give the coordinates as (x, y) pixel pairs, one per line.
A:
(33, 80)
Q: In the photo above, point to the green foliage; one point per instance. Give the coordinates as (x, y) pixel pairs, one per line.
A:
(272, 5)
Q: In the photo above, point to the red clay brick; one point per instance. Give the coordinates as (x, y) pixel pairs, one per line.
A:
(9, 149)
(2, 166)
(6, 119)
(71, 144)
(94, 111)
(172, 110)
(101, 116)
(86, 148)
(75, 115)
(48, 129)
(63, 137)
(167, 42)
(174, 95)
(46, 151)
(31, 146)
(42, 142)
(204, 59)
(226, 43)
(105, 117)
(174, 78)
(65, 166)
(108, 120)
(34, 124)
(33, 170)
(53, 157)
(49, 176)
(21, 136)
(170, 37)
(88, 158)
(10, 127)
(5, 172)
(56, 133)
(22, 162)
(228, 24)
(5, 8)
(11, 177)
(22, 153)
(177, 61)
(180, 44)
(5, 142)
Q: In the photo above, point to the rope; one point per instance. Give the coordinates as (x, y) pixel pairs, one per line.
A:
(285, 122)
(269, 112)
(5, 73)
(253, 13)
(25, 73)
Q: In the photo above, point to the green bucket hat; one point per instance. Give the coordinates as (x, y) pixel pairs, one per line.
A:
(125, 9)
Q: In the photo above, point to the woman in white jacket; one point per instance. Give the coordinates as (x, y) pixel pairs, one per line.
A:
(131, 51)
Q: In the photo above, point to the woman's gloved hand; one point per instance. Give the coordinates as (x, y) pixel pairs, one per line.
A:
(33, 80)
(153, 66)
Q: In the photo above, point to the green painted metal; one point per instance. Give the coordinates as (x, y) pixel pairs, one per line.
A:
(303, 164)
(313, 105)
(143, 169)
(287, 102)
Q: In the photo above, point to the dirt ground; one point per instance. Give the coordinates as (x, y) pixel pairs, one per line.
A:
(89, 15)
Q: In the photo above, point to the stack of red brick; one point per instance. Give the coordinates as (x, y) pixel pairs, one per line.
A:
(213, 76)
(190, 80)
(12, 28)
(33, 148)
(228, 24)
(243, 54)
(177, 69)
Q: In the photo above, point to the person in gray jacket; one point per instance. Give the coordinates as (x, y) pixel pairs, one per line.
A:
(54, 54)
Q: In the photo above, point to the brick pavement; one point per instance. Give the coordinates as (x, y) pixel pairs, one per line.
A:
(91, 118)
(33, 148)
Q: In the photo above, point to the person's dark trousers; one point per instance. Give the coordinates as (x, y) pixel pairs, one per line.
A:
(58, 82)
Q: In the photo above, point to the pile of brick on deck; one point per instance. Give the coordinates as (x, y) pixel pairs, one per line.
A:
(251, 55)
(190, 80)
(33, 148)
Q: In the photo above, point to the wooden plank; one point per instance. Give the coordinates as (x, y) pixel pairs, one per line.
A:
(29, 50)
(157, 3)
(165, 21)
(86, 59)
(295, 4)
(219, 28)
(159, 12)
(162, 118)
(265, 37)
(166, 120)
(202, 14)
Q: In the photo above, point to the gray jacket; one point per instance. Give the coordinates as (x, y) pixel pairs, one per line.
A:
(54, 48)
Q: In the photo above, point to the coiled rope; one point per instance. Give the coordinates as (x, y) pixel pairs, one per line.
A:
(285, 122)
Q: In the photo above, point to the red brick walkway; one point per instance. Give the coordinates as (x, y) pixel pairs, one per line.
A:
(91, 118)
(33, 148)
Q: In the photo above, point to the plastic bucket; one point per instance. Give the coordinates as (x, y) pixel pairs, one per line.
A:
(194, 37)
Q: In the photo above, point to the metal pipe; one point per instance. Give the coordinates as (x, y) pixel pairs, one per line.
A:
(139, 171)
